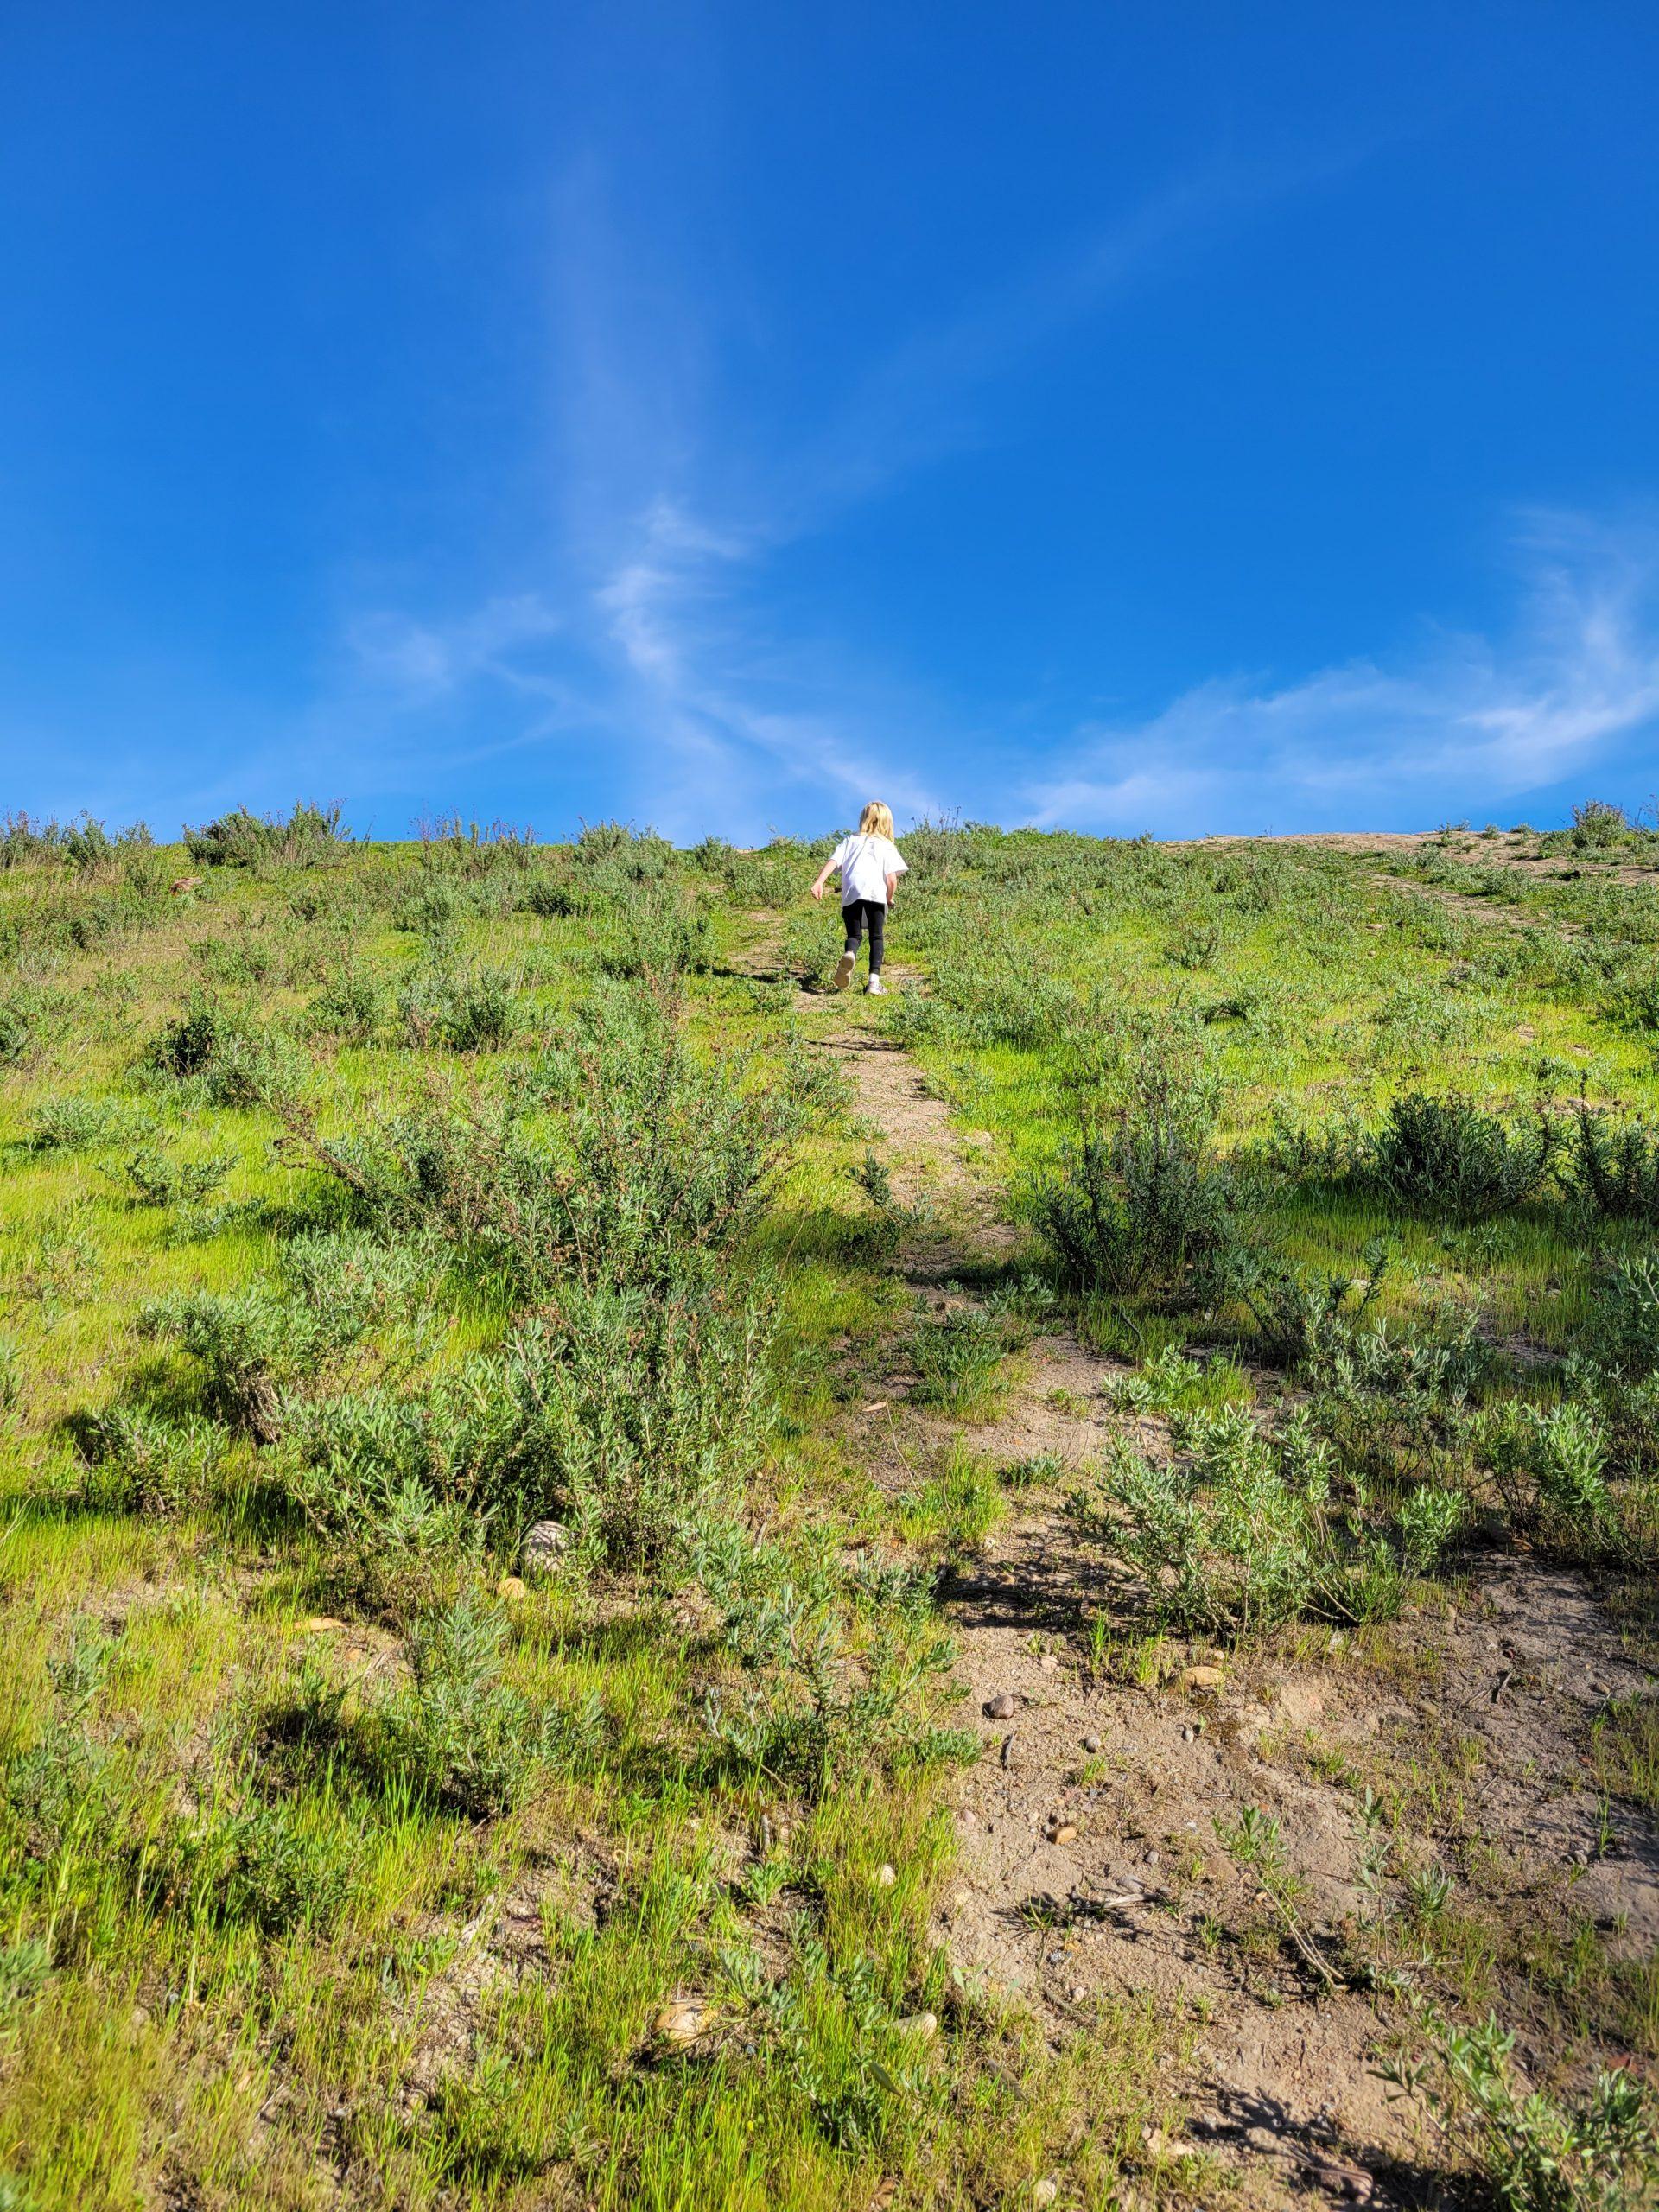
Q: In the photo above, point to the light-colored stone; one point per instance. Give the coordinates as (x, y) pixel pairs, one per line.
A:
(923, 2026)
(682, 2020)
(886, 1877)
(1202, 1678)
(546, 1544)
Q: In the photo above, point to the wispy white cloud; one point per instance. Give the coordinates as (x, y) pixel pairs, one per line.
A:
(423, 661)
(664, 528)
(1578, 673)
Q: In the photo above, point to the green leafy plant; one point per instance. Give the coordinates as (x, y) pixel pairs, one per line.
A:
(1537, 2153)
(1445, 1154)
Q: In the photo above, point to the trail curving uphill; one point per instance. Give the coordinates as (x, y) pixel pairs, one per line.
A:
(1092, 1874)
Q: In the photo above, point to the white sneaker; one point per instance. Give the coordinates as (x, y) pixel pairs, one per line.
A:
(876, 988)
(844, 967)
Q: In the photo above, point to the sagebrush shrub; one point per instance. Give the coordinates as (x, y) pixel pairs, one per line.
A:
(643, 1413)
(842, 1667)
(1536, 2152)
(250, 1345)
(460, 1733)
(279, 1867)
(1242, 1535)
(1614, 1164)
(154, 1178)
(241, 839)
(475, 1012)
(235, 1065)
(355, 1005)
(660, 932)
(75, 1124)
(145, 1462)
(1144, 1207)
(958, 1358)
(1434, 1155)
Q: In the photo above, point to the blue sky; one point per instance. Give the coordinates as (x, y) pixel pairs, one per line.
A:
(1180, 418)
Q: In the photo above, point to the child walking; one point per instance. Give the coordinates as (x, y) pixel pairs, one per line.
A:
(870, 866)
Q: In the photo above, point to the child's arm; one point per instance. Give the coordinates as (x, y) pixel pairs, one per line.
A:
(824, 874)
(892, 889)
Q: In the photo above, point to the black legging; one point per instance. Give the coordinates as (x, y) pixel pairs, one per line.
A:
(855, 913)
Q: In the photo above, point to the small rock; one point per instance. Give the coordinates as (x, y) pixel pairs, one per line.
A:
(1202, 1678)
(510, 1586)
(1065, 1832)
(321, 1625)
(1186, 1735)
(1155, 1858)
(682, 2020)
(1002, 1707)
(1048, 1663)
(546, 1543)
(1044, 2191)
(886, 1877)
(970, 1818)
(924, 2026)
(1091, 1744)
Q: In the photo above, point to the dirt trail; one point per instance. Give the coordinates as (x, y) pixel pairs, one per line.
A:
(1090, 1868)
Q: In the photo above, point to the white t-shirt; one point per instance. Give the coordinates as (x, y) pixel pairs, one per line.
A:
(866, 862)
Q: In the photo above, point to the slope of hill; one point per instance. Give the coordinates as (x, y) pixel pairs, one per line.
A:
(627, 1582)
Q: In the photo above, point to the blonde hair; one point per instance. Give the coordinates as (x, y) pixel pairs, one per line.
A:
(876, 821)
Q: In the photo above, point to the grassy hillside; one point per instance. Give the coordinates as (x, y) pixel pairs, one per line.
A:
(365, 1207)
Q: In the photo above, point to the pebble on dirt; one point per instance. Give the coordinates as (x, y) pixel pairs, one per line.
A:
(1003, 1706)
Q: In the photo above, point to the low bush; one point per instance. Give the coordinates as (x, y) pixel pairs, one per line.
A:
(76, 1124)
(241, 839)
(144, 1462)
(19, 1013)
(660, 932)
(461, 1734)
(476, 1012)
(153, 1177)
(355, 1005)
(1536, 2152)
(250, 1345)
(1145, 1208)
(235, 1065)
(1445, 1154)
(1245, 1533)
(1304, 1319)
(958, 1358)
(643, 1414)
(1549, 1467)
(278, 1867)
(842, 1672)
(1397, 1402)
(1613, 1166)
